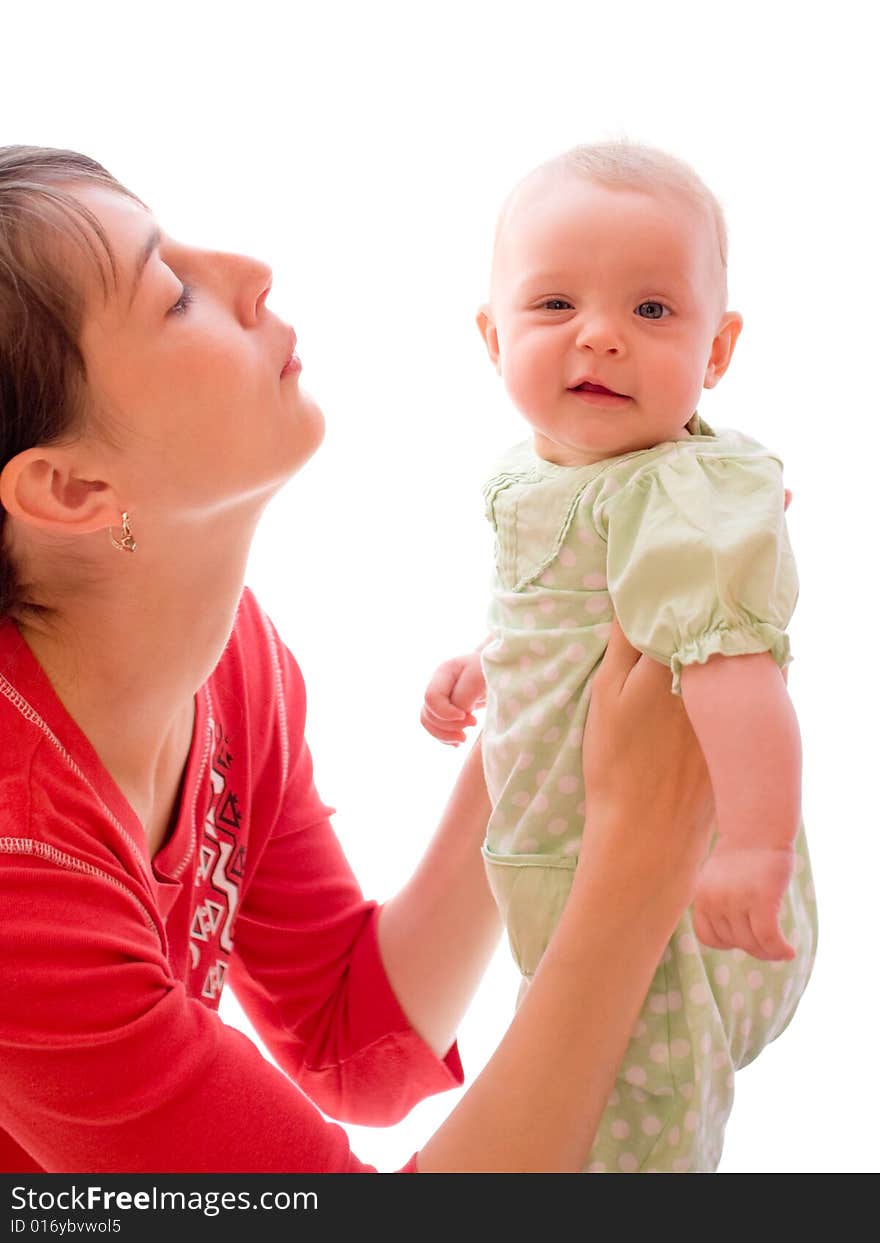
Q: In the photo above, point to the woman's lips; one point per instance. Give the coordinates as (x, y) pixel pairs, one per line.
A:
(292, 367)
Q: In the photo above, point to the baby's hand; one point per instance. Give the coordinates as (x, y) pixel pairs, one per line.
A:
(739, 893)
(457, 687)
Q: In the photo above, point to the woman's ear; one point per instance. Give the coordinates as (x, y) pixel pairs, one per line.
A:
(46, 488)
(489, 333)
(722, 347)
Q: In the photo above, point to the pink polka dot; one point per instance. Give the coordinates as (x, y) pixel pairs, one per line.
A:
(681, 1165)
(636, 1076)
(586, 537)
(581, 809)
(628, 1162)
(639, 1096)
(596, 1167)
(745, 1027)
(687, 1090)
(719, 1059)
(530, 689)
(674, 1000)
(548, 578)
(738, 955)
(680, 1048)
(567, 557)
(755, 980)
(512, 708)
(737, 1001)
(520, 799)
(705, 1042)
(722, 974)
(571, 848)
(673, 1135)
(568, 623)
(568, 785)
(552, 734)
(551, 673)
(651, 1125)
(658, 1003)
(540, 777)
(557, 826)
(603, 630)
(575, 738)
(767, 1007)
(657, 1053)
(525, 760)
(529, 621)
(687, 943)
(528, 846)
(595, 582)
(614, 1098)
(595, 604)
(547, 607)
(540, 802)
(639, 1030)
(537, 647)
(691, 1120)
(504, 680)
(699, 995)
(575, 652)
(620, 1128)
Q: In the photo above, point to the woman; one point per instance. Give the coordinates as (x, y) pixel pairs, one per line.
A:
(159, 825)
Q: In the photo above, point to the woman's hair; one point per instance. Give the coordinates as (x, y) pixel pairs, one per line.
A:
(42, 371)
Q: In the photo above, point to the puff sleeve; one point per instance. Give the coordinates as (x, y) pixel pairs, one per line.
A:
(699, 560)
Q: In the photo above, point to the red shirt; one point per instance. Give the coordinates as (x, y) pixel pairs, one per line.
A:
(112, 1055)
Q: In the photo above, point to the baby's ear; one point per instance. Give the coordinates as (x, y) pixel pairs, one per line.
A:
(489, 333)
(723, 347)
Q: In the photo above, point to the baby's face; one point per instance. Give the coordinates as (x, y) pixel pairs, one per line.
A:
(606, 317)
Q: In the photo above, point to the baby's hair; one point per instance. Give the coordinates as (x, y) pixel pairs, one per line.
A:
(623, 164)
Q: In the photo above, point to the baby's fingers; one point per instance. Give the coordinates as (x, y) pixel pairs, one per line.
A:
(444, 729)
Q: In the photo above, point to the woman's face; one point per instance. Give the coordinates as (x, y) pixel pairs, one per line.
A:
(195, 378)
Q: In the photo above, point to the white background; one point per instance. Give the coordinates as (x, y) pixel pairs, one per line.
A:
(363, 149)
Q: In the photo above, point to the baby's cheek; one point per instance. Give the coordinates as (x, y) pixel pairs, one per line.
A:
(530, 381)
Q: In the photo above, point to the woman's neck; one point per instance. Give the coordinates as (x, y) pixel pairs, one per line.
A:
(127, 657)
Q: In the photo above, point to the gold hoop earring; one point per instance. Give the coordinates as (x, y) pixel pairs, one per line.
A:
(126, 544)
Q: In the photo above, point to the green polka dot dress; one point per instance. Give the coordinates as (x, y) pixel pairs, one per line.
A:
(686, 543)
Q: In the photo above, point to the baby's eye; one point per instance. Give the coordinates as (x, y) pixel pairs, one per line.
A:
(652, 310)
(555, 304)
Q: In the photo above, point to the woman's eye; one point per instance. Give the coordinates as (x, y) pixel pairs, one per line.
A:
(651, 310)
(555, 304)
(185, 299)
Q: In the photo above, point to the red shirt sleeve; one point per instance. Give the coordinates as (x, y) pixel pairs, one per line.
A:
(307, 968)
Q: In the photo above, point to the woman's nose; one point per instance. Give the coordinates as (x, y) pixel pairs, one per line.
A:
(252, 280)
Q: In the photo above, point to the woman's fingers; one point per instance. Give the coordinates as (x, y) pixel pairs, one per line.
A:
(619, 659)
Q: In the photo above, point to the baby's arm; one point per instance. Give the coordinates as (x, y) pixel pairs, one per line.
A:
(455, 689)
(747, 728)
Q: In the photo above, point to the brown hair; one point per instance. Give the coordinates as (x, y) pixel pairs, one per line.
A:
(42, 371)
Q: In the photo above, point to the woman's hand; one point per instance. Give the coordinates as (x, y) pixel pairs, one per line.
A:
(648, 795)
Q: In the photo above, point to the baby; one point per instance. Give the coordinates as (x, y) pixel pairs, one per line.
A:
(607, 317)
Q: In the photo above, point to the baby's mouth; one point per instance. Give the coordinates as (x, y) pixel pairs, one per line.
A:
(587, 387)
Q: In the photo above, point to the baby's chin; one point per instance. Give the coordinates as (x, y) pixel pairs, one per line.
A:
(586, 451)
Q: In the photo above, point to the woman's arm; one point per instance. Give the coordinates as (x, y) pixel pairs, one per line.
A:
(537, 1103)
(437, 935)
